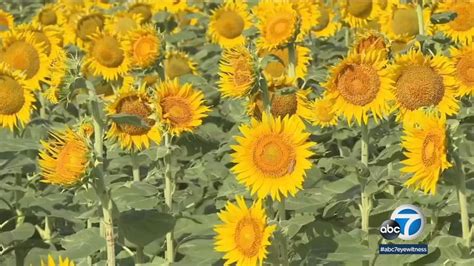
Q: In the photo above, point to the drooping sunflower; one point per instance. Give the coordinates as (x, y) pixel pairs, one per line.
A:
(82, 25)
(146, 9)
(22, 52)
(178, 63)
(180, 107)
(425, 145)
(461, 28)
(361, 84)
(277, 70)
(322, 112)
(227, 24)
(6, 22)
(272, 156)
(107, 56)
(237, 72)
(131, 101)
(244, 234)
(358, 13)
(61, 262)
(64, 158)
(278, 24)
(423, 82)
(143, 46)
(58, 70)
(17, 98)
(463, 59)
(371, 40)
(50, 14)
(121, 23)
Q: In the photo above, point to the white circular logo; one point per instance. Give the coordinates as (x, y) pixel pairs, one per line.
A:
(411, 221)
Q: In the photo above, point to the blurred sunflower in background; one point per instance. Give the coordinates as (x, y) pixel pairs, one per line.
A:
(326, 24)
(277, 70)
(180, 108)
(421, 83)
(358, 13)
(6, 22)
(145, 8)
(425, 145)
(360, 84)
(143, 46)
(64, 158)
(244, 234)
(121, 23)
(61, 262)
(172, 7)
(227, 24)
(461, 28)
(463, 60)
(50, 15)
(178, 63)
(17, 99)
(308, 16)
(322, 112)
(272, 156)
(82, 26)
(130, 101)
(237, 72)
(371, 40)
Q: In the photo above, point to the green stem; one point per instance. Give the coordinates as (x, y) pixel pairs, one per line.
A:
(347, 36)
(139, 256)
(20, 217)
(135, 166)
(265, 95)
(391, 188)
(169, 183)
(291, 60)
(365, 205)
(47, 230)
(43, 106)
(462, 198)
(419, 14)
(99, 184)
(284, 241)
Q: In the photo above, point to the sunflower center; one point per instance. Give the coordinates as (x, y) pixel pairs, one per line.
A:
(11, 93)
(230, 24)
(324, 112)
(177, 110)
(107, 52)
(133, 105)
(142, 9)
(284, 104)
(405, 22)
(22, 56)
(42, 39)
(89, 25)
(277, 69)
(429, 153)
(465, 17)
(419, 86)
(242, 77)
(359, 8)
(125, 24)
(465, 69)
(248, 236)
(273, 156)
(371, 42)
(145, 47)
(70, 160)
(323, 20)
(48, 17)
(358, 84)
(176, 66)
(280, 27)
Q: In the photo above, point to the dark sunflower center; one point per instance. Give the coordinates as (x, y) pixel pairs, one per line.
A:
(48, 17)
(107, 52)
(89, 25)
(176, 66)
(465, 69)
(284, 104)
(22, 56)
(248, 236)
(273, 156)
(177, 110)
(323, 20)
(133, 105)
(405, 22)
(359, 8)
(12, 95)
(358, 84)
(230, 24)
(143, 9)
(276, 68)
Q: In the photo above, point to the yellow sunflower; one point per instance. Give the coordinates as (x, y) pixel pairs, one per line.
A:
(244, 234)
(64, 158)
(106, 56)
(146, 9)
(322, 112)
(463, 59)
(51, 262)
(423, 82)
(461, 29)
(130, 101)
(178, 63)
(121, 23)
(180, 107)
(58, 71)
(174, 6)
(50, 14)
(359, 84)
(6, 22)
(183, 18)
(143, 46)
(277, 70)
(82, 25)
(21, 51)
(308, 16)
(17, 99)
(278, 24)
(358, 13)
(425, 145)
(46, 36)
(237, 72)
(371, 40)
(326, 25)
(227, 24)
(272, 156)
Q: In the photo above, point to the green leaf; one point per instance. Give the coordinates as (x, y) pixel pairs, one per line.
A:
(22, 232)
(19, 145)
(442, 18)
(129, 119)
(83, 243)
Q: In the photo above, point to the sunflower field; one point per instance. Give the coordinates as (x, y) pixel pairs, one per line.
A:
(198, 132)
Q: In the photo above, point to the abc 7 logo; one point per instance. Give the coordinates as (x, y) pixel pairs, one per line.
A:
(406, 222)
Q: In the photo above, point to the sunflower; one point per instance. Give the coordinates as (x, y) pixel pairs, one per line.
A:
(82, 26)
(371, 40)
(17, 99)
(50, 14)
(461, 29)
(237, 72)
(359, 84)
(425, 145)
(133, 102)
(121, 23)
(180, 107)
(423, 82)
(6, 22)
(51, 262)
(183, 18)
(277, 70)
(174, 6)
(308, 16)
(106, 56)
(145, 8)
(64, 158)
(464, 62)
(46, 36)
(322, 112)
(278, 23)
(58, 71)
(358, 13)
(244, 234)
(227, 24)
(21, 51)
(326, 24)
(143, 46)
(178, 63)
(272, 156)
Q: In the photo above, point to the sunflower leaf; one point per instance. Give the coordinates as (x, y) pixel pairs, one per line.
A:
(129, 119)
(442, 18)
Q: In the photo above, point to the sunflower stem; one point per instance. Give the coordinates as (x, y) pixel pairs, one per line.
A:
(99, 184)
(291, 60)
(284, 241)
(419, 14)
(135, 166)
(139, 255)
(169, 182)
(365, 198)
(20, 217)
(42, 109)
(347, 36)
(265, 95)
(462, 199)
